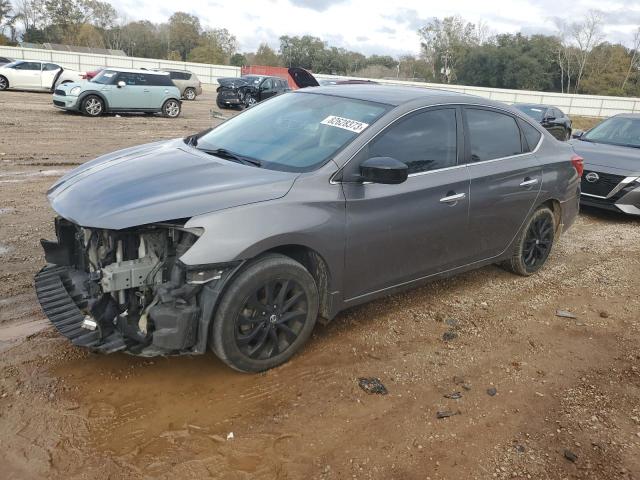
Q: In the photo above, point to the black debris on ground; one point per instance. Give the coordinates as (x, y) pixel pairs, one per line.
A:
(372, 385)
(492, 391)
(446, 413)
(448, 336)
(569, 455)
(453, 396)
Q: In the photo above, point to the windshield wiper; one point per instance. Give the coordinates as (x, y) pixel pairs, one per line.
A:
(234, 157)
(192, 140)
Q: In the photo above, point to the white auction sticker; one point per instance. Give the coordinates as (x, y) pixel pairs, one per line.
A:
(345, 123)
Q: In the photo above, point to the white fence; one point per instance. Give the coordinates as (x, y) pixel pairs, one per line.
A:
(573, 104)
(88, 61)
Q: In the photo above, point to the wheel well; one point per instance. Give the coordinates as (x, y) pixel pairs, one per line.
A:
(317, 267)
(96, 94)
(554, 206)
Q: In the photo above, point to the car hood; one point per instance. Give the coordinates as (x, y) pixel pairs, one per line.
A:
(66, 87)
(160, 182)
(608, 158)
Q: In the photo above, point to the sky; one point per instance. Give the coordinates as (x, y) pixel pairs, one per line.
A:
(382, 27)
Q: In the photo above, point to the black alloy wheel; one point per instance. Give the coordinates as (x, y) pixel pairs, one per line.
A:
(267, 313)
(534, 243)
(538, 241)
(272, 318)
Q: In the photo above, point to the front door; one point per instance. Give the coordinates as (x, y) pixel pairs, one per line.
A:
(398, 233)
(134, 95)
(267, 89)
(27, 75)
(505, 179)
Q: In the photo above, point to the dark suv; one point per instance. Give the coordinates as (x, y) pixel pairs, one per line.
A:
(237, 239)
(248, 90)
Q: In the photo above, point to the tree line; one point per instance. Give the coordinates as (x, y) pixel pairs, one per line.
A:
(577, 59)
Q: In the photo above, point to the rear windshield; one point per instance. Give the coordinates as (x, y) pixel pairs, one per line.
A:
(294, 132)
(534, 111)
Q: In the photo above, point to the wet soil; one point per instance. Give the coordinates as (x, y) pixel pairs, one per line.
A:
(564, 398)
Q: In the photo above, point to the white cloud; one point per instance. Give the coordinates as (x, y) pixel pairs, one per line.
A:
(387, 29)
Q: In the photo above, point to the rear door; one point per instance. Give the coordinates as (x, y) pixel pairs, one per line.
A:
(505, 179)
(49, 75)
(398, 233)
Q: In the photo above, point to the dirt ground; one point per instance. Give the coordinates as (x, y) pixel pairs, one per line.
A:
(566, 403)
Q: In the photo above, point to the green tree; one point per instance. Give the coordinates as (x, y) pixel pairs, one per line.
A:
(184, 33)
(238, 60)
(265, 55)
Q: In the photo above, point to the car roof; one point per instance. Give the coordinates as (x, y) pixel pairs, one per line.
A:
(538, 105)
(628, 115)
(170, 70)
(135, 70)
(395, 94)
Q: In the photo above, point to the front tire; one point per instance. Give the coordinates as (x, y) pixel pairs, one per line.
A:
(4, 83)
(190, 94)
(92, 106)
(171, 108)
(534, 243)
(250, 100)
(265, 316)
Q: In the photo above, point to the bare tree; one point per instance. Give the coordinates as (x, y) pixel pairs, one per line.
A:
(564, 55)
(586, 35)
(634, 63)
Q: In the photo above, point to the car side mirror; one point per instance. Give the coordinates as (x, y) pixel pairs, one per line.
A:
(577, 134)
(385, 170)
(122, 84)
(550, 118)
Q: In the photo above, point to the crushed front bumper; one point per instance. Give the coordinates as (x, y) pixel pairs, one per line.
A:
(62, 299)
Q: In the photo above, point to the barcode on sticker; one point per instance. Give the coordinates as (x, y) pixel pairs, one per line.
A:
(345, 123)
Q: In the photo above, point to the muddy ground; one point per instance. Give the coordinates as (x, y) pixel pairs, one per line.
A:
(567, 391)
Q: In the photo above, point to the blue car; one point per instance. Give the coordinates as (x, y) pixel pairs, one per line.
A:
(121, 90)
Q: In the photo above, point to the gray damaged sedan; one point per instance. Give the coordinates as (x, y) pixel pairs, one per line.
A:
(241, 238)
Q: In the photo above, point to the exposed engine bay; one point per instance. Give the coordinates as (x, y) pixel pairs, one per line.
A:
(127, 290)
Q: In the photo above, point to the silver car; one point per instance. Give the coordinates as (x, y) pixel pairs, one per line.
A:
(239, 238)
(187, 82)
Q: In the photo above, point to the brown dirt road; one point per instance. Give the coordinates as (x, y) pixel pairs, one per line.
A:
(562, 384)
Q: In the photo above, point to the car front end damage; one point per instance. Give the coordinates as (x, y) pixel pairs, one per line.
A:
(127, 290)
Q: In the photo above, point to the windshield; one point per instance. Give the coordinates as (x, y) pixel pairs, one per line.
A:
(534, 111)
(104, 77)
(252, 79)
(294, 132)
(622, 131)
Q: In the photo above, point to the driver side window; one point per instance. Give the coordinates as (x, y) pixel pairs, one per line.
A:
(28, 66)
(424, 141)
(266, 85)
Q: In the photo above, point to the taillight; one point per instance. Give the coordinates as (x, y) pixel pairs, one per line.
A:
(578, 163)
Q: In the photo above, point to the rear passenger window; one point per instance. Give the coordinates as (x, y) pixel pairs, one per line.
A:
(424, 141)
(531, 136)
(492, 135)
(49, 67)
(160, 80)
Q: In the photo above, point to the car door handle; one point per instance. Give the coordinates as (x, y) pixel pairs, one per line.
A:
(453, 198)
(529, 182)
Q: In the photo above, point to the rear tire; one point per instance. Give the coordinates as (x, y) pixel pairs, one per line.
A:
(92, 106)
(267, 313)
(4, 83)
(190, 94)
(171, 108)
(534, 244)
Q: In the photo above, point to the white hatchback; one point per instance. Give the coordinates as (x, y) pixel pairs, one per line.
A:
(35, 75)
